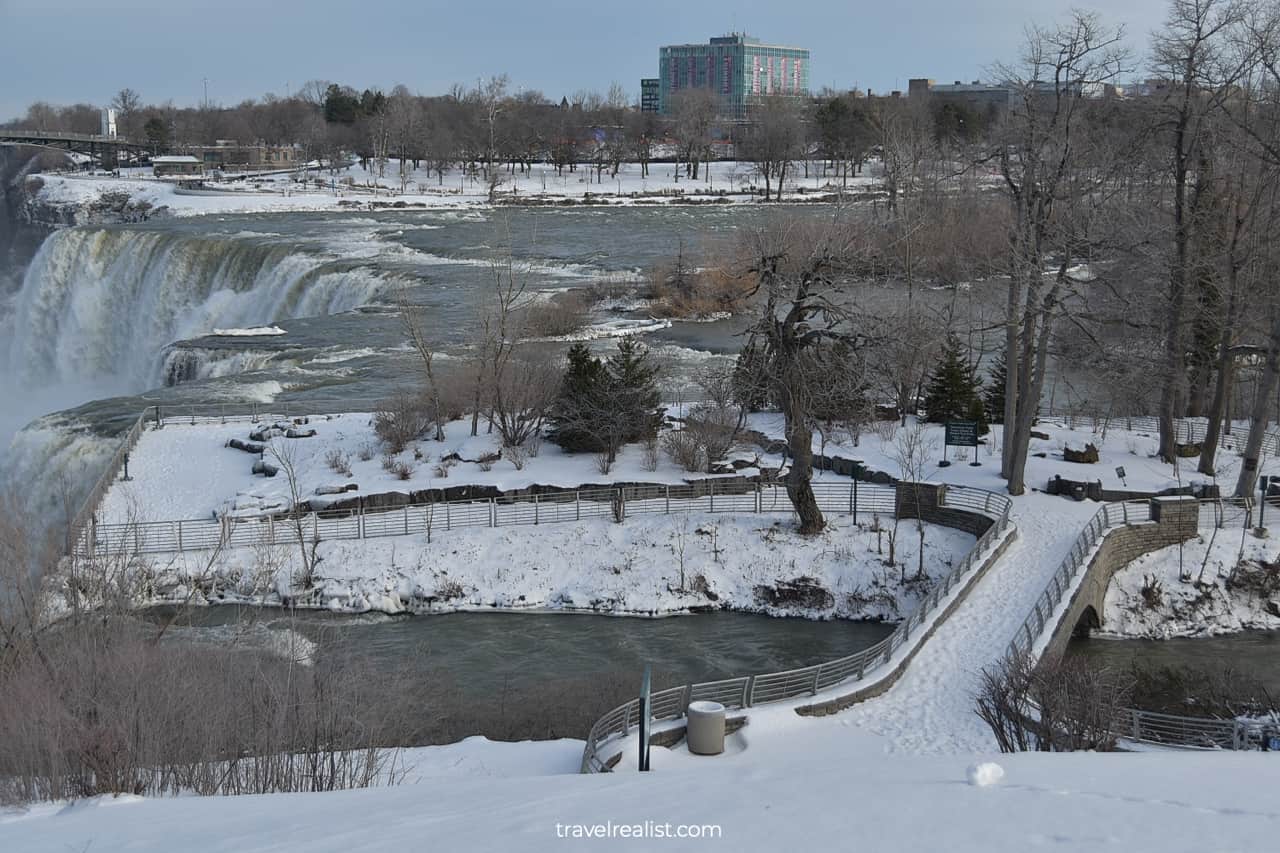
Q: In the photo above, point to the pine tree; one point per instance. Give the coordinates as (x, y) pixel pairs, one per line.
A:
(953, 387)
(993, 393)
(603, 405)
(633, 382)
(584, 382)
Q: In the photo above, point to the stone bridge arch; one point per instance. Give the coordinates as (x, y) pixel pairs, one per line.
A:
(1172, 520)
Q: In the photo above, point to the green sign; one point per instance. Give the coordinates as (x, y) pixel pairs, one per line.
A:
(962, 433)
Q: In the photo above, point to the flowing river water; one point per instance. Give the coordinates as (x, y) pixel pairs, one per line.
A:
(100, 321)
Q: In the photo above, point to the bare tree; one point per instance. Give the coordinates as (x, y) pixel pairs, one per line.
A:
(773, 139)
(797, 269)
(286, 456)
(1038, 157)
(415, 321)
(693, 113)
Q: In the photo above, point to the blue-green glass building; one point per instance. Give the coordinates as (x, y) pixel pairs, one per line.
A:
(737, 68)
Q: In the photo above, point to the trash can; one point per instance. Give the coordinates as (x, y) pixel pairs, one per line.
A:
(705, 728)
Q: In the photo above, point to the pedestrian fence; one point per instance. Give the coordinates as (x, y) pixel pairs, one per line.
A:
(1232, 436)
(707, 496)
(751, 690)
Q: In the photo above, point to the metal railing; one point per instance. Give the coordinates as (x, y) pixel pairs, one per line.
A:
(737, 496)
(751, 690)
(1134, 724)
(250, 412)
(1232, 436)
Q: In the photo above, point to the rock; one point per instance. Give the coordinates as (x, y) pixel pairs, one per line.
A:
(1273, 607)
(1086, 457)
(803, 591)
(246, 446)
(1187, 451)
(337, 490)
(1043, 436)
(300, 433)
(264, 469)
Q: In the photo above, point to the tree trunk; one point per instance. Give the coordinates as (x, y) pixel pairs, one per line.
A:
(1218, 407)
(1258, 416)
(800, 447)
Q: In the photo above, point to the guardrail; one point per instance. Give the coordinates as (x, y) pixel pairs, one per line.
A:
(751, 690)
(197, 413)
(1135, 724)
(194, 534)
(1185, 430)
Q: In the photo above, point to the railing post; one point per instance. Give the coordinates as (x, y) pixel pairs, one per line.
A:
(748, 691)
(179, 536)
(713, 495)
(406, 519)
(535, 509)
(577, 506)
(817, 673)
(668, 491)
(447, 522)
(493, 512)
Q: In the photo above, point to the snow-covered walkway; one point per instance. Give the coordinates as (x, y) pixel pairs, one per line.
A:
(930, 710)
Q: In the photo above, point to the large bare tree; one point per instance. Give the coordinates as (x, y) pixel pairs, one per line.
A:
(802, 307)
(1041, 155)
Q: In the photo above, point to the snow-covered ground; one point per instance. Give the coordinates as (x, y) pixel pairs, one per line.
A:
(826, 789)
(186, 471)
(356, 187)
(1232, 585)
(647, 565)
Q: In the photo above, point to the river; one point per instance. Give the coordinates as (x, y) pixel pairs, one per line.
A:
(483, 653)
(1254, 655)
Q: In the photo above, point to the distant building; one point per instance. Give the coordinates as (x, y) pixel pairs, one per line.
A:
(650, 95)
(229, 156)
(989, 100)
(176, 164)
(109, 123)
(737, 68)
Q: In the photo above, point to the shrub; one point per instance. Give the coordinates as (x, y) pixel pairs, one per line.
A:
(685, 449)
(338, 462)
(400, 419)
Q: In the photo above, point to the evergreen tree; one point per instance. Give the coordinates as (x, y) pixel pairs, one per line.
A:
(633, 382)
(604, 405)
(583, 382)
(953, 387)
(993, 393)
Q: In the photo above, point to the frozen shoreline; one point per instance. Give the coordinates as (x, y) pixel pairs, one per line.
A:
(136, 195)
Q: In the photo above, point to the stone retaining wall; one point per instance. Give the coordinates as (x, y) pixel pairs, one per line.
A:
(1173, 520)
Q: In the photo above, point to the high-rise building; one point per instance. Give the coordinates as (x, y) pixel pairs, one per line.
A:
(650, 95)
(736, 68)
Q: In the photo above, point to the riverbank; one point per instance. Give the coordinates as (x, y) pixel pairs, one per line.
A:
(647, 565)
(133, 195)
(1210, 585)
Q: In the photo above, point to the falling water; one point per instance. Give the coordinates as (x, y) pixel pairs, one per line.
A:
(102, 303)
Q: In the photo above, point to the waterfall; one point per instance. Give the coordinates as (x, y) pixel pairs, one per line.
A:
(103, 303)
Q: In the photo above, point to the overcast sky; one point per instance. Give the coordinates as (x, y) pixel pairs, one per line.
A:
(66, 51)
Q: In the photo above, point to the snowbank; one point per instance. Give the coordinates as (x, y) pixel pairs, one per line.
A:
(356, 188)
(1232, 585)
(648, 565)
(830, 784)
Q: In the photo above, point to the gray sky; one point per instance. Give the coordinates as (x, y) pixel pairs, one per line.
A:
(66, 51)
